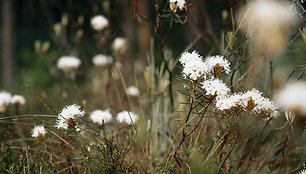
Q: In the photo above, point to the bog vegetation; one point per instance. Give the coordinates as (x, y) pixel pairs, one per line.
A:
(238, 108)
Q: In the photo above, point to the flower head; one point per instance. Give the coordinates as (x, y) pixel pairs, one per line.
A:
(266, 108)
(38, 131)
(217, 64)
(228, 102)
(18, 100)
(215, 87)
(250, 99)
(119, 44)
(99, 116)
(268, 23)
(302, 171)
(99, 22)
(127, 117)
(292, 98)
(176, 4)
(193, 65)
(5, 99)
(132, 91)
(102, 60)
(67, 117)
(68, 63)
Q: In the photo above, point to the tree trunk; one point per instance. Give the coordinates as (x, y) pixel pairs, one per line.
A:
(8, 44)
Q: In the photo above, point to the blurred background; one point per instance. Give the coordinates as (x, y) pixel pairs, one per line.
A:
(32, 42)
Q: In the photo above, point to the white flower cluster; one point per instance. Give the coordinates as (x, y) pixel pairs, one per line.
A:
(266, 107)
(215, 87)
(68, 117)
(99, 116)
(251, 100)
(38, 131)
(68, 63)
(228, 102)
(99, 22)
(6, 99)
(217, 64)
(127, 117)
(194, 67)
(293, 98)
(132, 91)
(102, 60)
(176, 4)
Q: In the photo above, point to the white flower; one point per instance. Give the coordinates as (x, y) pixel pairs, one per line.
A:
(38, 131)
(266, 107)
(67, 117)
(119, 44)
(302, 171)
(268, 23)
(228, 102)
(217, 64)
(132, 91)
(251, 98)
(5, 97)
(175, 4)
(99, 116)
(102, 60)
(215, 87)
(193, 65)
(293, 98)
(18, 99)
(127, 117)
(68, 63)
(99, 22)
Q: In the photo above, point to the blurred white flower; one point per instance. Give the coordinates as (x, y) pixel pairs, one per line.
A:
(132, 91)
(119, 44)
(302, 171)
(193, 65)
(5, 97)
(102, 60)
(217, 64)
(68, 63)
(99, 116)
(99, 22)
(127, 117)
(18, 100)
(38, 131)
(293, 98)
(175, 4)
(67, 117)
(215, 87)
(268, 22)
